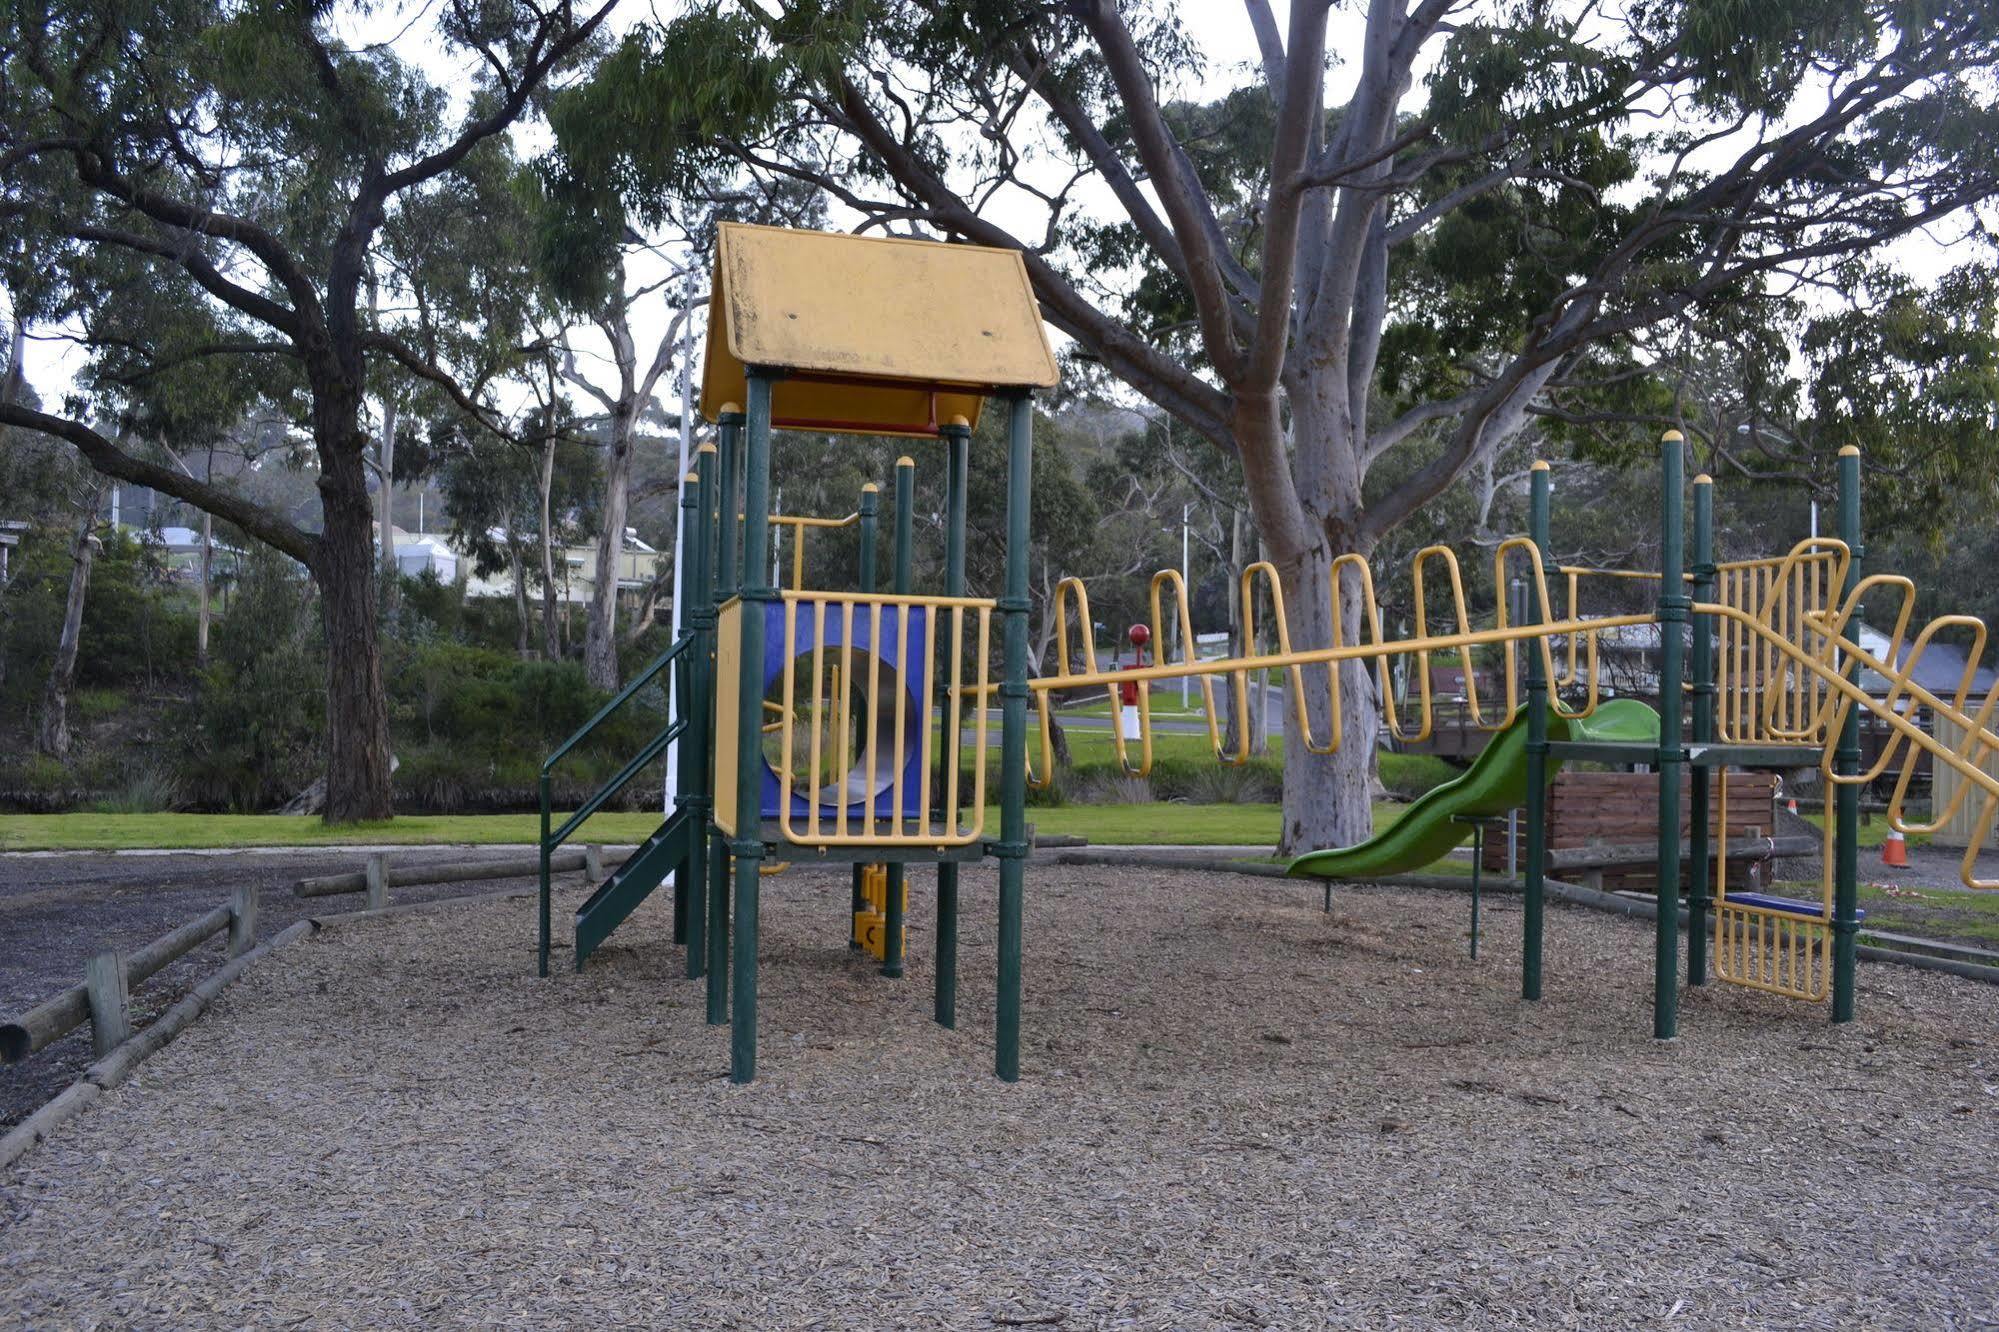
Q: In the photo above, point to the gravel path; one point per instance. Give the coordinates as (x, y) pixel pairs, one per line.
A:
(56, 911)
(1236, 1112)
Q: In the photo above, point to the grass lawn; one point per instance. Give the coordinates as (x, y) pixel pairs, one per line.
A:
(1156, 824)
(1958, 915)
(1873, 831)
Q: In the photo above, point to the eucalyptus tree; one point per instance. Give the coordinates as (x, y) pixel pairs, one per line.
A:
(246, 162)
(625, 395)
(1319, 272)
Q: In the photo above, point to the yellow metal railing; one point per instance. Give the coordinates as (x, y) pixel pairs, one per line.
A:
(866, 740)
(800, 524)
(1786, 667)
(1760, 695)
(1072, 598)
(1835, 662)
(1765, 947)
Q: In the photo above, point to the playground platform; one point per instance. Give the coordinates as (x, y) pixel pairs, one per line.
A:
(1239, 1110)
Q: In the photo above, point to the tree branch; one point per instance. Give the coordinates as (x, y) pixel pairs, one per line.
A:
(108, 458)
(374, 192)
(1179, 191)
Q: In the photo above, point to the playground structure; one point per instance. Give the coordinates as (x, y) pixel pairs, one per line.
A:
(853, 726)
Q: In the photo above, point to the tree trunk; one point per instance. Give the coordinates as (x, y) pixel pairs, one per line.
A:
(1232, 735)
(53, 737)
(551, 639)
(206, 611)
(1327, 797)
(385, 456)
(1259, 698)
(204, 614)
(357, 713)
(520, 564)
(600, 640)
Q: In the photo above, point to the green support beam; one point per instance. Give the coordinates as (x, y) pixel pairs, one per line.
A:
(864, 581)
(1673, 610)
(1534, 890)
(1699, 776)
(1011, 849)
(747, 845)
(957, 453)
(690, 884)
(1846, 763)
(679, 688)
(905, 508)
(721, 567)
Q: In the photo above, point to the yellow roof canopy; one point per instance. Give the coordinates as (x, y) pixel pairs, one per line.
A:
(874, 335)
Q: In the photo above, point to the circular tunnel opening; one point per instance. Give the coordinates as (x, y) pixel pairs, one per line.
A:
(837, 711)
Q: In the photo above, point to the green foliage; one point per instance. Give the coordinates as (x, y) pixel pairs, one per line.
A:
(252, 737)
(136, 631)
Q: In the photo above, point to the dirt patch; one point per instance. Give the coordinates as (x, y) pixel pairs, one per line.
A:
(1236, 1111)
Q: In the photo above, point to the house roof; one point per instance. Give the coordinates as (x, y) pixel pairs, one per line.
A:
(1940, 669)
(879, 335)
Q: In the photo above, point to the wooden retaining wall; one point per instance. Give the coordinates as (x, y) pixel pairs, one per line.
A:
(1622, 808)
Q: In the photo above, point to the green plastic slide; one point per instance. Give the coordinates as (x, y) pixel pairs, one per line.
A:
(1497, 782)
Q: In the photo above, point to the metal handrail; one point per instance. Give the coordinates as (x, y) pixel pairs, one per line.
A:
(618, 700)
(550, 840)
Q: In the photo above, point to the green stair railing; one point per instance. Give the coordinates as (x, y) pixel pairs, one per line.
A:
(550, 840)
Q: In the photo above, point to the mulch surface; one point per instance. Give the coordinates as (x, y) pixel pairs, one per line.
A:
(1236, 1111)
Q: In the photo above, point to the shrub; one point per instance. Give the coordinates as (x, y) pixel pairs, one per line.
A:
(38, 784)
(252, 737)
(144, 790)
(96, 705)
(1411, 775)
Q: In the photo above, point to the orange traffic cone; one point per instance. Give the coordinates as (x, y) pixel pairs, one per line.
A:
(1792, 805)
(1894, 851)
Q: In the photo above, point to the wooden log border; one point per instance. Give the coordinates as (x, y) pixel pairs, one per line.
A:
(116, 1067)
(588, 859)
(57, 1017)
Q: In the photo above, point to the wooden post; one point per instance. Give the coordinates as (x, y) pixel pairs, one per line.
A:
(104, 989)
(593, 864)
(378, 881)
(243, 919)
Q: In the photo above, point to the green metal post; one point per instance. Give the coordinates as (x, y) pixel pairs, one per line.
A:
(1011, 849)
(699, 706)
(1700, 857)
(1477, 868)
(721, 568)
(957, 453)
(1673, 603)
(1846, 762)
(542, 907)
(1535, 887)
(747, 845)
(679, 689)
(905, 506)
(864, 582)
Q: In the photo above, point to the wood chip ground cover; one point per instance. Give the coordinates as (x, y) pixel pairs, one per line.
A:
(1236, 1112)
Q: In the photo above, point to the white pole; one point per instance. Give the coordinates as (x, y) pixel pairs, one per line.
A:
(679, 526)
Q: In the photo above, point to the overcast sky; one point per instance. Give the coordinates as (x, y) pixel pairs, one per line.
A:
(1218, 27)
